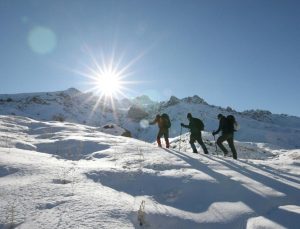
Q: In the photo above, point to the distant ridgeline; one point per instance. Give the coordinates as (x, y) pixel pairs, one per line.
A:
(132, 115)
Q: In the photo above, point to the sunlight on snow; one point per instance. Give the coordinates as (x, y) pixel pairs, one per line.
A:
(291, 208)
(262, 222)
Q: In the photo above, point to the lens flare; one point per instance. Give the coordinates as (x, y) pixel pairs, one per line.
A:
(42, 40)
(144, 123)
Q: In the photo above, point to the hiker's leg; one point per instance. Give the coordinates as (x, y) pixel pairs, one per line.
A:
(192, 142)
(221, 139)
(159, 135)
(232, 147)
(166, 136)
(200, 141)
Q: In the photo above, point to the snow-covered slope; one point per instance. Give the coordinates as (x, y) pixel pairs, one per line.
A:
(66, 175)
(133, 115)
(281, 130)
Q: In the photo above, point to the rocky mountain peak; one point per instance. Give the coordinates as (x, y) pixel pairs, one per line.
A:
(195, 99)
(143, 100)
(259, 115)
(172, 101)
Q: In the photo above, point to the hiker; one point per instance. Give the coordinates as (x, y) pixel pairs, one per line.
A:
(164, 123)
(226, 125)
(195, 126)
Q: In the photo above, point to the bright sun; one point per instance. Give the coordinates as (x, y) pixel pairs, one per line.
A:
(109, 83)
(107, 78)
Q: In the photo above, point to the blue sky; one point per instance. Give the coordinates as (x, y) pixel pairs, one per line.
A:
(243, 54)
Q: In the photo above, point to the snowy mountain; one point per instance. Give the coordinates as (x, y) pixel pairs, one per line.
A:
(133, 115)
(67, 175)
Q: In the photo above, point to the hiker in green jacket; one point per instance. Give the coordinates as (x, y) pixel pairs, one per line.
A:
(196, 126)
(226, 125)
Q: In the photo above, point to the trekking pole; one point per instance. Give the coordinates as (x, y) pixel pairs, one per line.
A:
(180, 138)
(216, 145)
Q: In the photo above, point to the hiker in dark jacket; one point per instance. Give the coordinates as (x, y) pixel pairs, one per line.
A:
(195, 133)
(163, 130)
(227, 135)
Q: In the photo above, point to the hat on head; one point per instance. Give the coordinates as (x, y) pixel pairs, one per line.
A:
(189, 115)
(220, 115)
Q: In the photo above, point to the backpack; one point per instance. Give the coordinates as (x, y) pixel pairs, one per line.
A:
(166, 120)
(232, 123)
(199, 124)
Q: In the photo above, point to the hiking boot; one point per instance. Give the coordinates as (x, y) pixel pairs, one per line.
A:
(195, 151)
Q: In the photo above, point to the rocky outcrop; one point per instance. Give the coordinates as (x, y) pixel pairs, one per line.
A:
(143, 100)
(259, 115)
(115, 130)
(195, 99)
(172, 101)
(136, 113)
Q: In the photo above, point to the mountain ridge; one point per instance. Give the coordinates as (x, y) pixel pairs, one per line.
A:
(134, 114)
(173, 100)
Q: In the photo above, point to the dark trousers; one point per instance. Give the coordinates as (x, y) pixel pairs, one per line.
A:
(165, 133)
(197, 137)
(229, 138)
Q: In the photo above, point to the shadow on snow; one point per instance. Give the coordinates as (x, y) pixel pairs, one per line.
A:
(198, 195)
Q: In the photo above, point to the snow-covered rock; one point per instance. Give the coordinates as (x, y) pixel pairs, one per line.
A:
(136, 113)
(260, 115)
(172, 101)
(114, 129)
(143, 100)
(195, 99)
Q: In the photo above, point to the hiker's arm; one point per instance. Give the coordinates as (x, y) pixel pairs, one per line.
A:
(185, 126)
(219, 129)
(153, 122)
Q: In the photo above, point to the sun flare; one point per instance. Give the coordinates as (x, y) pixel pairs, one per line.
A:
(107, 79)
(109, 83)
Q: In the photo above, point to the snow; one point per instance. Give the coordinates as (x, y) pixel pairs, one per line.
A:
(68, 175)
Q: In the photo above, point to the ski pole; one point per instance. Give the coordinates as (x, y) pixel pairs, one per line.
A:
(180, 138)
